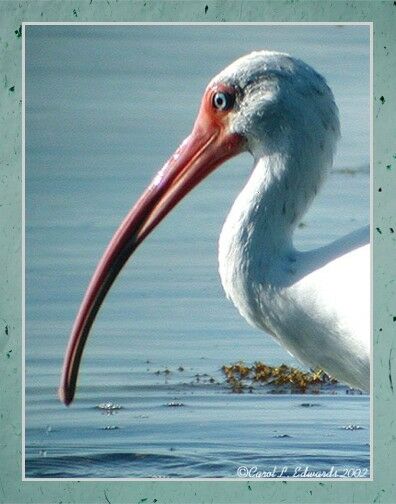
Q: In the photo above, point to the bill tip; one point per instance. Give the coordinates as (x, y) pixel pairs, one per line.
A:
(64, 396)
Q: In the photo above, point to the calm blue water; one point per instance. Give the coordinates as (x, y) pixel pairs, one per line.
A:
(105, 108)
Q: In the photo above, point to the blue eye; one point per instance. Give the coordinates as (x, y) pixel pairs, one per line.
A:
(223, 101)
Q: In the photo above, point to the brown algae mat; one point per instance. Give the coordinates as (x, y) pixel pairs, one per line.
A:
(282, 379)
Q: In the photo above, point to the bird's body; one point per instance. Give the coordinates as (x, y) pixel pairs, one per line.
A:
(317, 303)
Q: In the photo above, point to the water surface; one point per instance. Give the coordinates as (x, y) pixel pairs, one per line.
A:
(105, 107)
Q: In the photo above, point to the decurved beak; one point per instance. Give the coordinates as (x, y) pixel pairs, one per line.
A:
(209, 145)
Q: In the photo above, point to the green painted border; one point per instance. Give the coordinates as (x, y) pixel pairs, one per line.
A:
(382, 489)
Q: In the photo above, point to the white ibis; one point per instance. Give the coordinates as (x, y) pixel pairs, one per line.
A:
(315, 303)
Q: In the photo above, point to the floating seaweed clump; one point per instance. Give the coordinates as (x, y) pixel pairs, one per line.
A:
(284, 378)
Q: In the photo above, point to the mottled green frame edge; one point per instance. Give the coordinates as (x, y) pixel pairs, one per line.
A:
(382, 488)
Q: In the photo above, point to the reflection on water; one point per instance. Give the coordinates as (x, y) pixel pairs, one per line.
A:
(105, 108)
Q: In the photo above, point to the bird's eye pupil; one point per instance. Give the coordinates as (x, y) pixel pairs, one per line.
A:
(222, 101)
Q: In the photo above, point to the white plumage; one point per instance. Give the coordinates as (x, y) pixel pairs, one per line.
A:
(316, 303)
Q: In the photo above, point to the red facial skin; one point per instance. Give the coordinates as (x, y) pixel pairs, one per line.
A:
(209, 145)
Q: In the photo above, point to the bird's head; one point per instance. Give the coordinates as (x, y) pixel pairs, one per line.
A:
(277, 102)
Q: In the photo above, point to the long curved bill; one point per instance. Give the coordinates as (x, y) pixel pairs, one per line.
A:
(207, 147)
